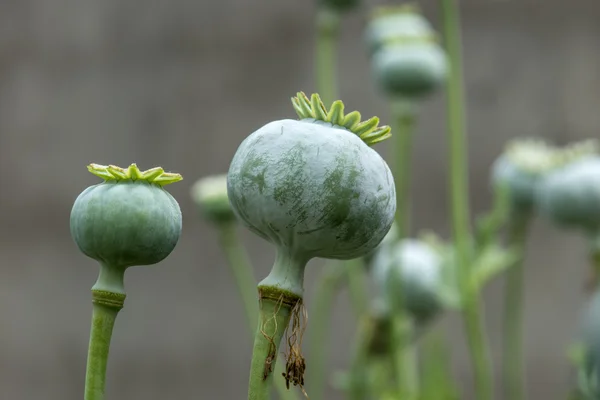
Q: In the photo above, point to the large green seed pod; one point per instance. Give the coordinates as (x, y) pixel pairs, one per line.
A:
(570, 196)
(388, 24)
(127, 220)
(409, 275)
(410, 68)
(313, 187)
(210, 195)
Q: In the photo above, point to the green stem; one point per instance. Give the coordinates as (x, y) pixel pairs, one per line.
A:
(273, 320)
(327, 34)
(404, 122)
(106, 306)
(318, 334)
(437, 382)
(359, 388)
(279, 294)
(405, 357)
(514, 384)
(404, 350)
(355, 272)
(472, 314)
(241, 269)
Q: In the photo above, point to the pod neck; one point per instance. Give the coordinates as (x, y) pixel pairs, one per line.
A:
(287, 274)
(110, 279)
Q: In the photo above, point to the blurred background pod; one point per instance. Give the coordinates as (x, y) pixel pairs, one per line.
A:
(524, 162)
(210, 196)
(570, 196)
(410, 68)
(408, 275)
(395, 22)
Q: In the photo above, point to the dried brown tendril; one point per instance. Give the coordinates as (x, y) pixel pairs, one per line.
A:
(295, 365)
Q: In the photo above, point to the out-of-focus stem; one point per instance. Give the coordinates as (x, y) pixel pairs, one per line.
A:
(355, 272)
(472, 314)
(514, 379)
(327, 33)
(242, 271)
(318, 332)
(404, 118)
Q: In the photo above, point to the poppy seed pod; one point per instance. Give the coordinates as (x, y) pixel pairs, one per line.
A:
(570, 196)
(314, 187)
(411, 68)
(129, 219)
(520, 167)
(396, 23)
(210, 195)
(409, 275)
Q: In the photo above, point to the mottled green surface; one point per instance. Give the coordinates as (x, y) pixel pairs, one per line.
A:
(313, 189)
(126, 223)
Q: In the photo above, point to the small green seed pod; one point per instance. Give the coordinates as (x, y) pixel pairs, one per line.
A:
(410, 69)
(210, 195)
(520, 168)
(388, 24)
(570, 196)
(127, 220)
(409, 275)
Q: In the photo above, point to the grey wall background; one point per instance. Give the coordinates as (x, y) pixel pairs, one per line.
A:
(180, 84)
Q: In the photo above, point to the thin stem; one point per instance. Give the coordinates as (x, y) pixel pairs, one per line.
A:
(318, 333)
(359, 388)
(405, 357)
(273, 320)
(241, 269)
(514, 379)
(437, 382)
(106, 306)
(404, 349)
(404, 122)
(355, 272)
(472, 314)
(477, 342)
(327, 34)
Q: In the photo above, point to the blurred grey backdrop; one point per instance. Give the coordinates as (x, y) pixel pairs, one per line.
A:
(180, 84)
